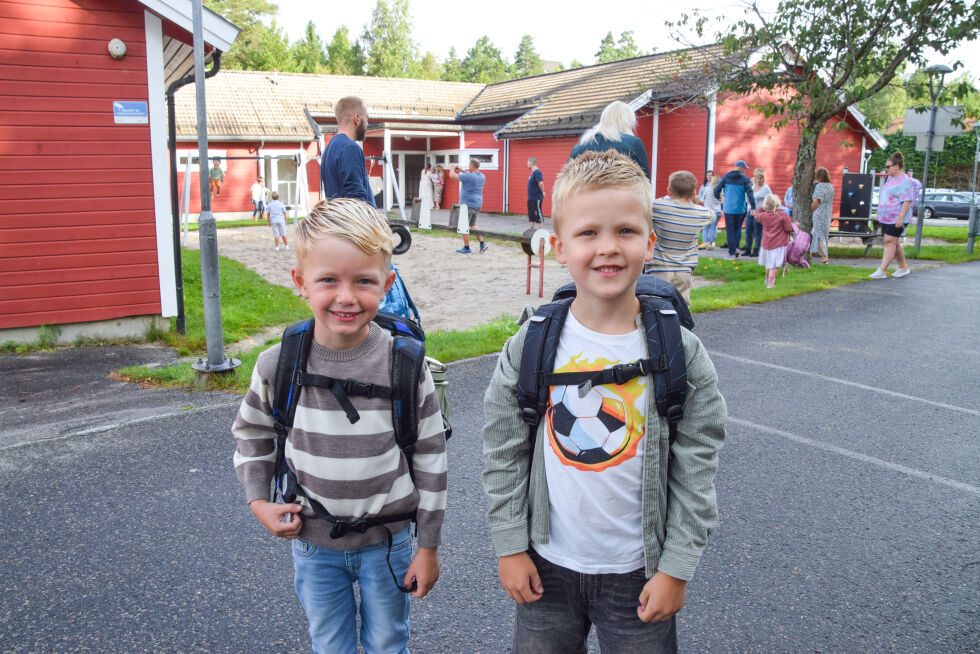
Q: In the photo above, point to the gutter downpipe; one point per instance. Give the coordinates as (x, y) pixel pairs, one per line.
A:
(174, 199)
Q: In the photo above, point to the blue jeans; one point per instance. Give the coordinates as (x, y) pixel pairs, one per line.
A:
(709, 233)
(258, 207)
(325, 585)
(733, 230)
(572, 602)
(753, 232)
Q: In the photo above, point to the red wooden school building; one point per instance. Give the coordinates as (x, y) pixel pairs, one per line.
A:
(85, 211)
(85, 222)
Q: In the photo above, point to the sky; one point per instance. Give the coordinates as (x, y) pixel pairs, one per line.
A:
(561, 33)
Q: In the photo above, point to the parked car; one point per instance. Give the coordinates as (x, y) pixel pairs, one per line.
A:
(946, 205)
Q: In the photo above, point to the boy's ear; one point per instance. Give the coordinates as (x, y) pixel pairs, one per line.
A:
(297, 276)
(559, 248)
(390, 280)
(650, 245)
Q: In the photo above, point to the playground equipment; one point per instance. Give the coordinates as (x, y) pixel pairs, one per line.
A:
(536, 242)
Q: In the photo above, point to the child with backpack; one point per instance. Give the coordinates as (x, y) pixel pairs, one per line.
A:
(599, 461)
(777, 227)
(350, 485)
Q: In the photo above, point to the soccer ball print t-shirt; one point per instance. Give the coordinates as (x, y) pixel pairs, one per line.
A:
(593, 456)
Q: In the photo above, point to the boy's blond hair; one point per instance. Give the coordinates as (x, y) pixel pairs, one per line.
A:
(771, 203)
(353, 220)
(594, 171)
(682, 185)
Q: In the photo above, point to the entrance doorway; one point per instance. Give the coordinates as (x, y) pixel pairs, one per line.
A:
(410, 175)
(280, 175)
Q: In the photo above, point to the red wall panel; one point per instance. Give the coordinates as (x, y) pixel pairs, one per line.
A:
(493, 190)
(551, 155)
(744, 133)
(682, 144)
(80, 183)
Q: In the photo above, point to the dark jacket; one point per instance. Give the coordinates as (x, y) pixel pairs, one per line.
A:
(628, 144)
(737, 189)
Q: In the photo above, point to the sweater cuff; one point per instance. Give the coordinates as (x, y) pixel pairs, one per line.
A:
(256, 490)
(510, 539)
(678, 563)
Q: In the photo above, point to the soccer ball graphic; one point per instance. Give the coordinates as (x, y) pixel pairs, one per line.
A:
(591, 429)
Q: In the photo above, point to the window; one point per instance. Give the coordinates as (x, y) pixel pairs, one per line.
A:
(449, 158)
(182, 156)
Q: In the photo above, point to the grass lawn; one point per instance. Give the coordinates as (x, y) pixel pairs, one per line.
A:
(957, 234)
(248, 304)
(242, 315)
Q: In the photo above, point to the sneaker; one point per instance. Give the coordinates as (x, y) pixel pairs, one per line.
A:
(276, 248)
(286, 246)
(703, 246)
(465, 250)
(732, 257)
(483, 247)
(878, 274)
(754, 253)
(901, 272)
(711, 246)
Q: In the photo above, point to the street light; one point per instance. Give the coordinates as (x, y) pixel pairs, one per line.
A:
(934, 91)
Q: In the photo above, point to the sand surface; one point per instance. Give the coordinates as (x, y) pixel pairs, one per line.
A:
(452, 291)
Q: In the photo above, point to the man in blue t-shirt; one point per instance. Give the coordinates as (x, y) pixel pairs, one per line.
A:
(535, 194)
(342, 169)
(472, 196)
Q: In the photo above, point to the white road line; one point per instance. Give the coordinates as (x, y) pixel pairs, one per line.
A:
(911, 472)
(117, 425)
(836, 380)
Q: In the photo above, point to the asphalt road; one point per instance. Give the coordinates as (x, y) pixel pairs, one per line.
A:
(849, 494)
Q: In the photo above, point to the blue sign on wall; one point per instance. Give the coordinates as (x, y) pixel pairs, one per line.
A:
(125, 112)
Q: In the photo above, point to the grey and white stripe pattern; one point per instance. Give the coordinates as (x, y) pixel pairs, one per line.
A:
(677, 227)
(354, 470)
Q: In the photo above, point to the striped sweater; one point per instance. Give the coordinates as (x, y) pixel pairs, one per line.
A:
(677, 225)
(354, 470)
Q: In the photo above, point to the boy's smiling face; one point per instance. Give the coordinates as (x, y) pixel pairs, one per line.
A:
(344, 286)
(604, 238)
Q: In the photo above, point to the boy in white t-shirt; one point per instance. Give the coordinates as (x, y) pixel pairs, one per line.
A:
(276, 213)
(606, 535)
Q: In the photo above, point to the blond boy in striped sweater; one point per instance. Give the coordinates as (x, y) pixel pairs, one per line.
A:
(356, 471)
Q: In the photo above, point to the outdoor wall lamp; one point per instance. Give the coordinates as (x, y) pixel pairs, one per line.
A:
(117, 49)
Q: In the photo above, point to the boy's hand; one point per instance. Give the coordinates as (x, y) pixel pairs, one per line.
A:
(519, 577)
(661, 598)
(424, 569)
(271, 515)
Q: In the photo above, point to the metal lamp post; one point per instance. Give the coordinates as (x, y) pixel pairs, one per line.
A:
(973, 193)
(934, 92)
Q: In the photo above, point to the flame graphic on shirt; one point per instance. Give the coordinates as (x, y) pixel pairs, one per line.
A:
(601, 429)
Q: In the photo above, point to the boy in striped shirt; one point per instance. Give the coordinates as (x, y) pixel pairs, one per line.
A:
(677, 221)
(356, 471)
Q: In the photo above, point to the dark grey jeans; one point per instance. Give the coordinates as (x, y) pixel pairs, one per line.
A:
(572, 602)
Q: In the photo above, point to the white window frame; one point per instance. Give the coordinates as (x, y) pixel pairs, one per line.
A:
(182, 156)
(462, 158)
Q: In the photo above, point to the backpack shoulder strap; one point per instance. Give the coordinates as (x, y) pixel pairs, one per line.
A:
(293, 354)
(538, 357)
(663, 335)
(407, 359)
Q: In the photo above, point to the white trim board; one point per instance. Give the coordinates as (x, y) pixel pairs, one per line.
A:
(160, 164)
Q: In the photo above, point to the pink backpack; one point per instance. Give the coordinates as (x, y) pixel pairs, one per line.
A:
(797, 249)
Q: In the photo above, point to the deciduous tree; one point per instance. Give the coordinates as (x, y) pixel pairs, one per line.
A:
(483, 63)
(391, 51)
(819, 57)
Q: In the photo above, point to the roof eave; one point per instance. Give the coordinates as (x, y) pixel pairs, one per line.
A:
(218, 31)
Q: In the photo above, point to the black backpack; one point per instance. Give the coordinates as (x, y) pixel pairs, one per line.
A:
(408, 357)
(663, 312)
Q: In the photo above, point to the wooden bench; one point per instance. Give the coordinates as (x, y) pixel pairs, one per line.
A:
(866, 229)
